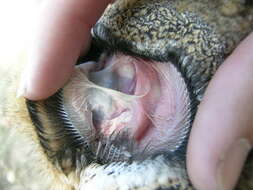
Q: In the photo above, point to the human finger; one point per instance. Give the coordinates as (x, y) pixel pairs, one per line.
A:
(63, 31)
(222, 133)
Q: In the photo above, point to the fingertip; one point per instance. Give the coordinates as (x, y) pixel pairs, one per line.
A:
(220, 138)
(61, 34)
(41, 90)
(217, 149)
(40, 81)
(220, 171)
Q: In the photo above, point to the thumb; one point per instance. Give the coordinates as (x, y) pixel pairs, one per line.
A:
(222, 133)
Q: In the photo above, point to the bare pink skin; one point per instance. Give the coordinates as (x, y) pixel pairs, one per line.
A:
(222, 129)
(155, 112)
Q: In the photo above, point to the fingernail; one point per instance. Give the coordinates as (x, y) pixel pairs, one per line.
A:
(21, 88)
(231, 163)
(21, 91)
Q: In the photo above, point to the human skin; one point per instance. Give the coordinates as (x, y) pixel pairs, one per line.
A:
(222, 134)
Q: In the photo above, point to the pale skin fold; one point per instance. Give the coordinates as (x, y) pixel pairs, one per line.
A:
(222, 133)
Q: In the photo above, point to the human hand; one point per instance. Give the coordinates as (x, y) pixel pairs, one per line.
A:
(222, 133)
(62, 35)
